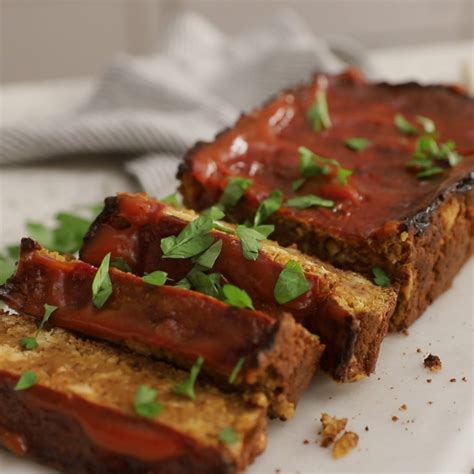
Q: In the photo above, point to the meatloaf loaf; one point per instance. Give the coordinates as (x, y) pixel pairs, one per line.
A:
(72, 404)
(274, 357)
(407, 207)
(348, 312)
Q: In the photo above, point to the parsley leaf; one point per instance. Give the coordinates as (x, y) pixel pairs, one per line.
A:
(318, 113)
(291, 283)
(214, 212)
(121, 264)
(250, 241)
(236, 370)
(228, 436)
(268, 206)
(237, 297)
(297, 183)
(157, 278)
(428, 173)
(404, 125)
(186, 388)
(303, 202)
(171, 199)
(191, 241)
(144, 402)
(380, 277)
(209, 284)
(342, 175)
(209, 257)
(357, 143)
(427, 124)
(233, 192)
(26, 380)
(183, 283)
(30, 343)
(102, 285)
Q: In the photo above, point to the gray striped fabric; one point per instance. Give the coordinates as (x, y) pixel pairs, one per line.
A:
(155, 107)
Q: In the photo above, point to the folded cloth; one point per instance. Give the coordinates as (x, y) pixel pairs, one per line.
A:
(157, 106)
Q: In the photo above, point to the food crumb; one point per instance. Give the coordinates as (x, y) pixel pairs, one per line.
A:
(306, 441)
(405, 332)
(428, 380)
(366, 428)
(430, 402)
(332, 426)
(403, 407)
(394, 418)
(464, 379)
(433, 363)
(418, 350)
(345, 444)
(452, 380)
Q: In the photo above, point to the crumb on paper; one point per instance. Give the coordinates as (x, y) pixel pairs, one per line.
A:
(332, 426)
(366, 428)
(405, 332)
(428, 380)
(394, 418)
(430, 402)
(403, 407)
(464, 379)
(306, 441)
(418, 350)
(432, 362)
(345, 444)
(453, 380)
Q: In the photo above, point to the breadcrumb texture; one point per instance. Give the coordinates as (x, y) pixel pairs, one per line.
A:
(433, 363)
(345, 444)
(105, 379)
(332, 426)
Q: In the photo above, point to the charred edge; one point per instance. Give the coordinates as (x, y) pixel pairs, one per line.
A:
(422, 220)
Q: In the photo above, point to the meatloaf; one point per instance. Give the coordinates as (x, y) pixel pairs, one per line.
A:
(407, 207)
(72, 404)
(275, 357)
(348, 312)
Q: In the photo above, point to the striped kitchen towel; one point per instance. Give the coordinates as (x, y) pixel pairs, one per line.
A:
(155, 107)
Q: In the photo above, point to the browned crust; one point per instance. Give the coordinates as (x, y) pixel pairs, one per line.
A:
(282, 362)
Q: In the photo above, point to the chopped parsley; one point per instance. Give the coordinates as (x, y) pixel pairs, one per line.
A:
(318, 113)
(8, 262)
(207, 283)
(236, 370)
(26, 380)
(31, 342)
(312, 165)
(208, 258)
(357, 143)
(157, 278)
(102, 285)
(250, 240)
(233, 192)
(291, 283)
(428, 125)
(303, 202)
(228, 436)
(186, 388)
(429, 172)
(171, 199)
(380, 277)
(268, 206)
(237, 297)
(144, 402)
(404, 126)
(120, 264)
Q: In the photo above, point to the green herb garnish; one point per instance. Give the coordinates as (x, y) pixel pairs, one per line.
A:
(171, 199)
(428, 125)
(8, 262)
(186, 388)
(233, 192)
(267, 207)
(209, 257)
(428, 173)
(207, 283)
(250, 240)
(102, 285)
(191, 241)
(318, 113)
(26, 380)
(157, 278)
(228, 436)
(303, 202)
(144, 402)
(357, 143)
(291, 283)
(342, 175)
(31, 342)
(237, 297)
(213, 212)
(120, 264)
(380, 277)
(236, 370)
(404, 125)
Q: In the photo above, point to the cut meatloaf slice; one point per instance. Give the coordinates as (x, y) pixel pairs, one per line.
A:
(279, 356)
(348, 312)
(411, 218)
(79, 416)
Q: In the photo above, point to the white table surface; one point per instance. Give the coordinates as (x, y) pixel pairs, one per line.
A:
(435, 437)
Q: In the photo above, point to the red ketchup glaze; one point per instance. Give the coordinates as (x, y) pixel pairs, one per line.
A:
(263, 145)
(108, 428)
(156, 317)
(257, 277)
(12, 441)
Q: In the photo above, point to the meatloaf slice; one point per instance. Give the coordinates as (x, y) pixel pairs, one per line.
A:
(79, 416)
(279, 356)
(408, 205)
(347, 311)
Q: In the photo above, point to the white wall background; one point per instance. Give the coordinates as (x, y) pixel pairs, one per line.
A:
(42, 39)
